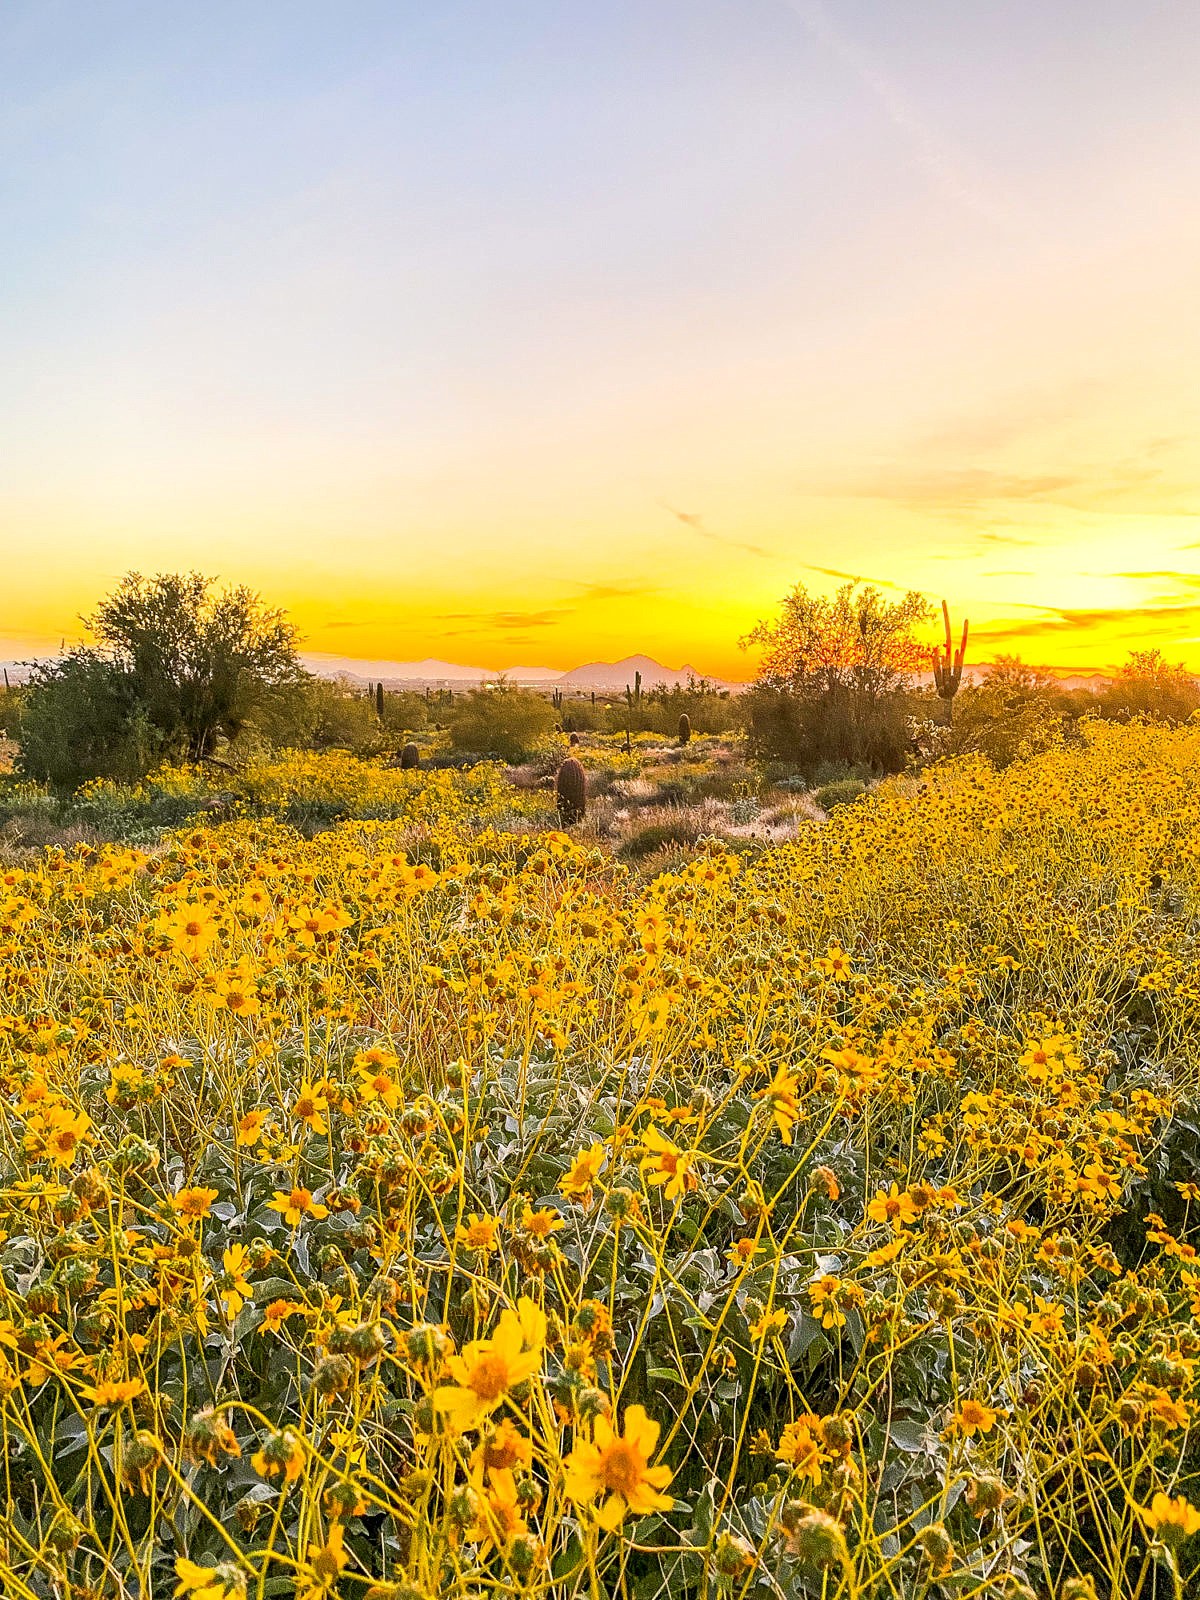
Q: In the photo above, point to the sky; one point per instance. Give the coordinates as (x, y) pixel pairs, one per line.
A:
(535, 333)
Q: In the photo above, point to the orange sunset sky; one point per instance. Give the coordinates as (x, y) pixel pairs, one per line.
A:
(541, 332)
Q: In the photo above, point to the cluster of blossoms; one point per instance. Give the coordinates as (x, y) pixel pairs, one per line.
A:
(426, 1207)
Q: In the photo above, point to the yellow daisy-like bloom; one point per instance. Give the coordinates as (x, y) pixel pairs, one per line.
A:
(232, 1283)
(64, 1133)
(824, 1293)
(237, 993)
(666, 1164)
(781, 1095)
(892, 1207)
(194, 1203)
(326, 1563)
(501, 1449)
(117, 1393)
(614, 1468)
(277, 1313)
(974, 1417)
(477, 1233)
(296, 1203)
(1173, 1520)
(377, 1067)
(222, 1582)
(310, 1107)
(191, 929)
(486, 1370)
(769, 1323)
(576, 1183)
(249, 1128)
(283, 1454)
(1172, 1413)
(540, 1223)
(801, 1447)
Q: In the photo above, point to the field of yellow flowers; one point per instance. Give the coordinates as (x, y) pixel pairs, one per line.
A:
(449, 1212)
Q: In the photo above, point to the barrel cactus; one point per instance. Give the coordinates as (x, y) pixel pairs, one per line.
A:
(410, 757)
(570, 792)
(685, 727)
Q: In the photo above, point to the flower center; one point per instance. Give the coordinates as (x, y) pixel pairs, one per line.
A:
(489, 1376)
(621, 1467)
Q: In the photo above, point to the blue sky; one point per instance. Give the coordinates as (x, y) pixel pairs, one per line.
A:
(417, 316)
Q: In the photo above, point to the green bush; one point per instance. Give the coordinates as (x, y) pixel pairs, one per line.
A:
(404, 712)
(508, 724)
(681, 831)
(841, 792)
(834, 727)
(81, 718)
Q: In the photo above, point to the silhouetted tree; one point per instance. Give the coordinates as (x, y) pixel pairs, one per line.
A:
(200, 661)
(832, 682)
(1150, 686)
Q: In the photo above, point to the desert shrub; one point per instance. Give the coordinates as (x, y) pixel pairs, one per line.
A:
(1150, 686)
(841, 792)
(507, 724)
(178, 668)
(1001, 726)
(10, 709)
(709, 710)
(834, 679)
(82, 717)
(200, 662)
(404, 712)
(581, 716)
(806, 732)
(681, 829)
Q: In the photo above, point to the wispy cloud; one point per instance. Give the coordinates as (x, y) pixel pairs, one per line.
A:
(1059, 620)
(851, 577)
(616, 591)
(1189, 580)
(694, 521)
(1117, 488)
(990, 536)
(932, 152)
(956, 488)
(1004, 420)
(505, 621)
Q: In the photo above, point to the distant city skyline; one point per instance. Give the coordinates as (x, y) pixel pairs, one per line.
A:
(552, 332)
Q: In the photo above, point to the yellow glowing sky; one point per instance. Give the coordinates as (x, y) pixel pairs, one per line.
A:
(542, 334)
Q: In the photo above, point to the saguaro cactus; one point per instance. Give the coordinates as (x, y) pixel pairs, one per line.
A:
(948, 666)
(685, 727)
(379, 701)
(570, 792)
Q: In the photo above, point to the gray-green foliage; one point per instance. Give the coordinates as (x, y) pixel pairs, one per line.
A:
(176, 669)
(511, 724)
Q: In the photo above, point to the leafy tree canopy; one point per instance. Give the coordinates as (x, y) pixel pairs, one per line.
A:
(855, 641)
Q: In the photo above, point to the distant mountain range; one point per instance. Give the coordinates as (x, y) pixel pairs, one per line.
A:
(603, 676)
(610, 676)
